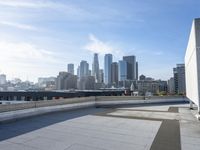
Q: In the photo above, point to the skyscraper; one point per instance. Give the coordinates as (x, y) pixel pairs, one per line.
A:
(95, 68)
(131, 67)
(70, 68)
(122, 70)
(84, 69)
(179, 79)
(107, 68)
(114, 73)
(101, 75)
(136, 70)
(171, 85)
(78, 72)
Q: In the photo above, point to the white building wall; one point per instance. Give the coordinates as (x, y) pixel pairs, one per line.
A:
(192, 64)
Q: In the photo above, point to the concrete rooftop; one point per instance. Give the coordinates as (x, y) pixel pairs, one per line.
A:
(155, 127)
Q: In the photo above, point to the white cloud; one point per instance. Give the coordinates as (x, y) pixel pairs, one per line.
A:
(97, 46)
(27, 60)
(18, 25)
(23, 52)
(31, 3)
(158, 53)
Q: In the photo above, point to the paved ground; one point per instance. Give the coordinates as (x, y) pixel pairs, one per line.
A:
(139, 128)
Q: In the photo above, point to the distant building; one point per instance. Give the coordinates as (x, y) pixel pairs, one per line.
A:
(86, 83)
(107, 68)
(78, 72)
(114, 73)
(101, 76)
(66, 81)
(84, 69)
(151, 86)
(142, 77)
(95, 68)
(47, 82)
(131, 67)
(171, 88)
(122, 70)
(89, 73)
(136, 70)
(70, 68)
(2, 79)
(179, 79)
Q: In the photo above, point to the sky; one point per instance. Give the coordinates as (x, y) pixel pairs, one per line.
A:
(38, 38)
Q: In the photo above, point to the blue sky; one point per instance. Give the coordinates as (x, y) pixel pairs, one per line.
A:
(39, 38)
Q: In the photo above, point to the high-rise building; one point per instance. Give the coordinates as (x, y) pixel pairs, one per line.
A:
(3, 79)
(122, 70)
(101, 75)
(107, 68)
(136, 70)
(84, 69)
(70, 68)
(114, 73)
(131, 67)
(171, 86)
(95, 68)
(179, 79)
(78, 72)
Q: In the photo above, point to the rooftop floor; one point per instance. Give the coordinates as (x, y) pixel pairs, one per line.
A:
(155, 127)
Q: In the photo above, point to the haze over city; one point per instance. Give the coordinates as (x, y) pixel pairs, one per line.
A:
(39, 37)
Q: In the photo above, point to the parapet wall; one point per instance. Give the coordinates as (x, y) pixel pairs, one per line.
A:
(11, 112)
(98, 101)
(45, 103)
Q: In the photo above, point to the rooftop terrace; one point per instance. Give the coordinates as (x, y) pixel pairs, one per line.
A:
(158, 126)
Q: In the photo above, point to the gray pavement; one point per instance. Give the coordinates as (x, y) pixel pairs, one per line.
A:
(138, 128)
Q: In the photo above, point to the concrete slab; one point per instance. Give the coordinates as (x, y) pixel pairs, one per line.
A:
(100, 129)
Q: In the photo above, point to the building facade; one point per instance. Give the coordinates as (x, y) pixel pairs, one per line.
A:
(84, 69)
(179, 79)
(192, 64)
(70, 68)
(95, 68)
(136, 70)
(114, 73)
(171, 87)
(107, 68)
(122, 70)
(131, 67)
(66, 81)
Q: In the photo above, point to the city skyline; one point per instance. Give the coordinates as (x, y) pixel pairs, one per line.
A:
(39, 38)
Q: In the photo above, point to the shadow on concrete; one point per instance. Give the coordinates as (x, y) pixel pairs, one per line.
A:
(19, 127)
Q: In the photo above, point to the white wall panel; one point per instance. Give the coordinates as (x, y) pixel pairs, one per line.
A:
(192, 64)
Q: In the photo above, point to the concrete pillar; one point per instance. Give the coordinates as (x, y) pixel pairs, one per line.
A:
(198, 110)
(191, 104)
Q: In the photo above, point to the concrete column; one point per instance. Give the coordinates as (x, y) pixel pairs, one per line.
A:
(198, 110)
(191, 104)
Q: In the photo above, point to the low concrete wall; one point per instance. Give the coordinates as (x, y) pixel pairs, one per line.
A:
(99, 100)
(10, 112)
(118, 98)
(19, 114)
(44, 103)
(122, 100)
